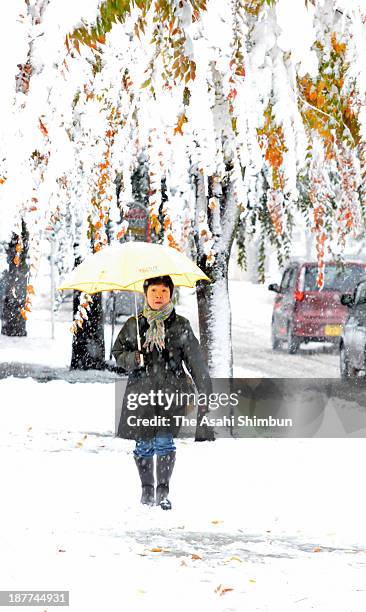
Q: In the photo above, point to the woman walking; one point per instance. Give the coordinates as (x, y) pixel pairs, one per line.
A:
(167, 341)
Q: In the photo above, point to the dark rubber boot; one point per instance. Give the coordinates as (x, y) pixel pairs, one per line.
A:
(164, 469)
(145, 466)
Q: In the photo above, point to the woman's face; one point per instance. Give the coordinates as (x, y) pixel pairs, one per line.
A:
(157, 296)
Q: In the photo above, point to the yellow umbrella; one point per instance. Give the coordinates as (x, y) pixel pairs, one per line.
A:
(124, 267)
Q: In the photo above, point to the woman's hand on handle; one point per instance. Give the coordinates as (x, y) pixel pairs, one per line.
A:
(139, 359)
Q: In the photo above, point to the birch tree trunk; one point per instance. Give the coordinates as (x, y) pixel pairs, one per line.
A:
(220, 209)
(214, 310)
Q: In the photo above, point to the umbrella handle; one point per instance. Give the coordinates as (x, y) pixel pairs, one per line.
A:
(138, 334)
(139, 345)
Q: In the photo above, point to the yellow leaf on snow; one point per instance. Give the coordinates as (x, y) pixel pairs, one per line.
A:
(236, 558)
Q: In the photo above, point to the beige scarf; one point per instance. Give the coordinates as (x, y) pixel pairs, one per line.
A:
(155, 335)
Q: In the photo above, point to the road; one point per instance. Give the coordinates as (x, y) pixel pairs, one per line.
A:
(251, 307)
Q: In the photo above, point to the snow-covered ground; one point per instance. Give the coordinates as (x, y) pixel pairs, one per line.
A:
(251, 317)
(257, 524)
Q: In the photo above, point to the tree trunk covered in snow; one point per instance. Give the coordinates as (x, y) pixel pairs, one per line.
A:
(13, 324)
(88, 347)
(216, 219)
(214, 310)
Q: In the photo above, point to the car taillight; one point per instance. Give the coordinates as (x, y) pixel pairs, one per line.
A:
(299, 296)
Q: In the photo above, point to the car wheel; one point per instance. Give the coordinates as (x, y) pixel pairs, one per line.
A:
(293, 342)
(346, 370)
(275, 341)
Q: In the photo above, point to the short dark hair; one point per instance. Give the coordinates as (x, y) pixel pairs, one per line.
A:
(159, 280)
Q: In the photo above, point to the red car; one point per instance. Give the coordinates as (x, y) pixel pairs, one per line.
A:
(302, 312)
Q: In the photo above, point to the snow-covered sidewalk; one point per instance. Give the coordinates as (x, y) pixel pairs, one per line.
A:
(257, 524)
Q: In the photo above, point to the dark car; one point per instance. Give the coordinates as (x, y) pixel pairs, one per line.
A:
(353, 340)
(302, 312)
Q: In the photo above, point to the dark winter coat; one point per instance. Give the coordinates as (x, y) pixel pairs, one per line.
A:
(162, 370)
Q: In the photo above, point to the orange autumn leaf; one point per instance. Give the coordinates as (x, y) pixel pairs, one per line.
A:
(43, 128)
(2, 180)
(181, 121)
(156, 549)
(221, 590)
(312, 94)
(166, 223)
(23, 313)
(30, 290)
(338, 47)
(16, 260)
(18, 248)
(319, 282)
(240, 71)
(77, 46)
(155, 224)
(320, 100)
(196, 557)
(274, 157)
(317, 549)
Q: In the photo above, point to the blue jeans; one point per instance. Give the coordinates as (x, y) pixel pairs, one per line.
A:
(161, 444)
